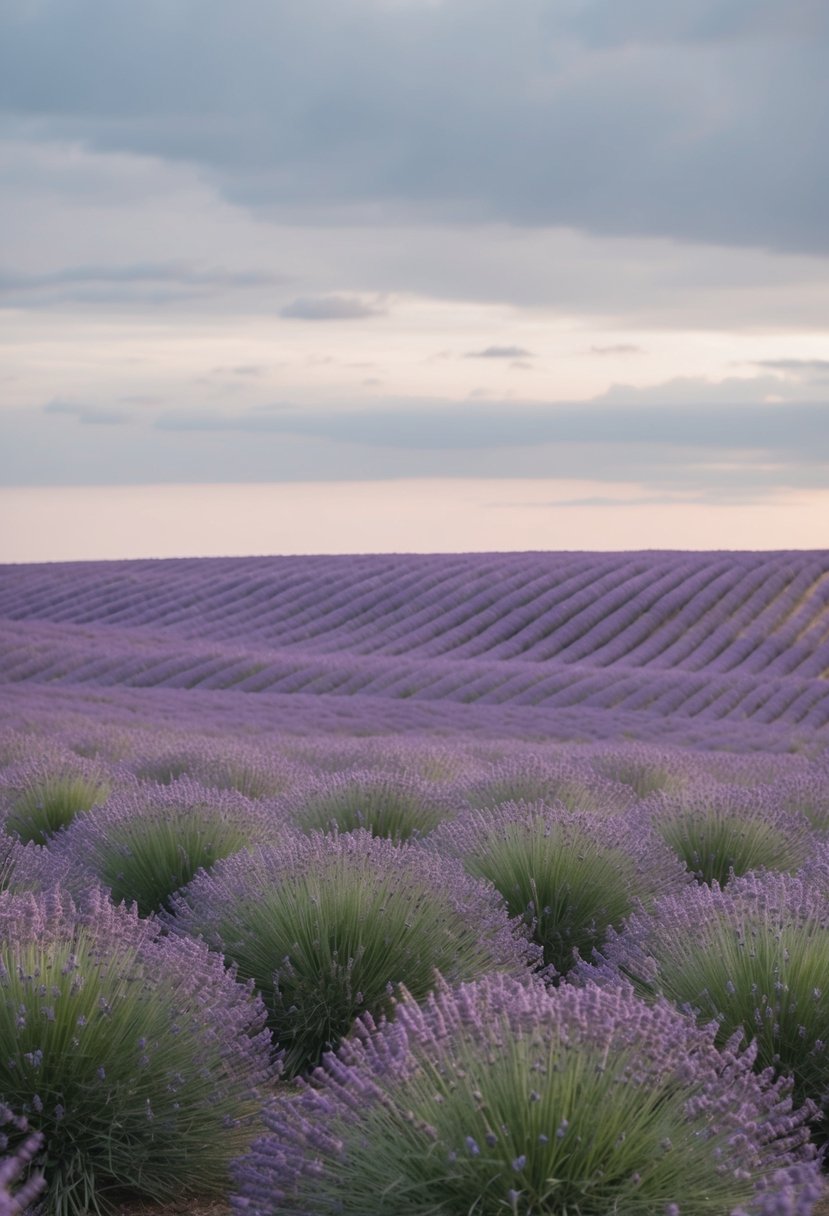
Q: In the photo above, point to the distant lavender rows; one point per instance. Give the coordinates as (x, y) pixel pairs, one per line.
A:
(673, 646)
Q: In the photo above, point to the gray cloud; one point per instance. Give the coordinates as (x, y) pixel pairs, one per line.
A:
(789, 430)
(609, 500)
(329, 308)
(712, 451)
(802, 369)
(500, 352)
(701, 120)
(89, 415)
(142, 282)
(619, 348)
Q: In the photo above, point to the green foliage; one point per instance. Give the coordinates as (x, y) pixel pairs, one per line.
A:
(326, 927)
(394, 807)
(321, 948)
(45, 804)
(148, 858)
(593, 1108)
(750, 972)
(714, 844)
(566, 885)
(108, 1051)
(595, 1173)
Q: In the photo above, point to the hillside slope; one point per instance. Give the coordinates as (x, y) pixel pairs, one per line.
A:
(650, 637)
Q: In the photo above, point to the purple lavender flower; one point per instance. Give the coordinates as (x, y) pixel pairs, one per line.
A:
(30, 867)
(805, 793)
(19, 1186)
(219, 764)
(432, 1112)
(561, 781)
(642, 769)
(39, 798)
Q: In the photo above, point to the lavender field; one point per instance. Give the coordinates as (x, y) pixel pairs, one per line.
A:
(416, 885)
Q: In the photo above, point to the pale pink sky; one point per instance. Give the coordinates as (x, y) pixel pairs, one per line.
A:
(83, 523)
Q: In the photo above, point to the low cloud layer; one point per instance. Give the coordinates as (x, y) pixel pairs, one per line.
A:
(705, 449)
(500, 352)
(329, 308)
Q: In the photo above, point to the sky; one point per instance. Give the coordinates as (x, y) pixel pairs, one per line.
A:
(554, 270)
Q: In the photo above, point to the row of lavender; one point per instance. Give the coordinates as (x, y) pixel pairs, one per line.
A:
(694, 638)
(756, 612)
(632, 944)
(34, 653)
(99, 712)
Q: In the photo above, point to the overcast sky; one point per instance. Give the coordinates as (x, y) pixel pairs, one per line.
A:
(328, 241)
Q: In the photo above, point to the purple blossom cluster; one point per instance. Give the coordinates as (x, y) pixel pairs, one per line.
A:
(31, 867)
(553, 780)
(18, 1186)
(40, 796)
(487, 1098)
(719, 830)
(805, 793)
(220, 764)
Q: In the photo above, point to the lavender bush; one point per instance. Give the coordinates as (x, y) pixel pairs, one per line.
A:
(505, 1097)
(568, 875)
(537, 779)
(327, 926)
(644, 770)
(37, 800)
(219, 764)
(396, 806)
(719, 830)
(804, 794)
(753, 956)
(140, 1058)
(147, 841)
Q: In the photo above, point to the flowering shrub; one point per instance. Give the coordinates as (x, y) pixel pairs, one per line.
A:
(503, 1096)
(532, 779)
(718, 830)
(16, 1163)
(146, 842)
(392, 805)
(642, 769)
(805, 794)
(140, 1058)
(753, 956)
(568, 875)
(326, 926)
(219, 764)
(39, 801)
